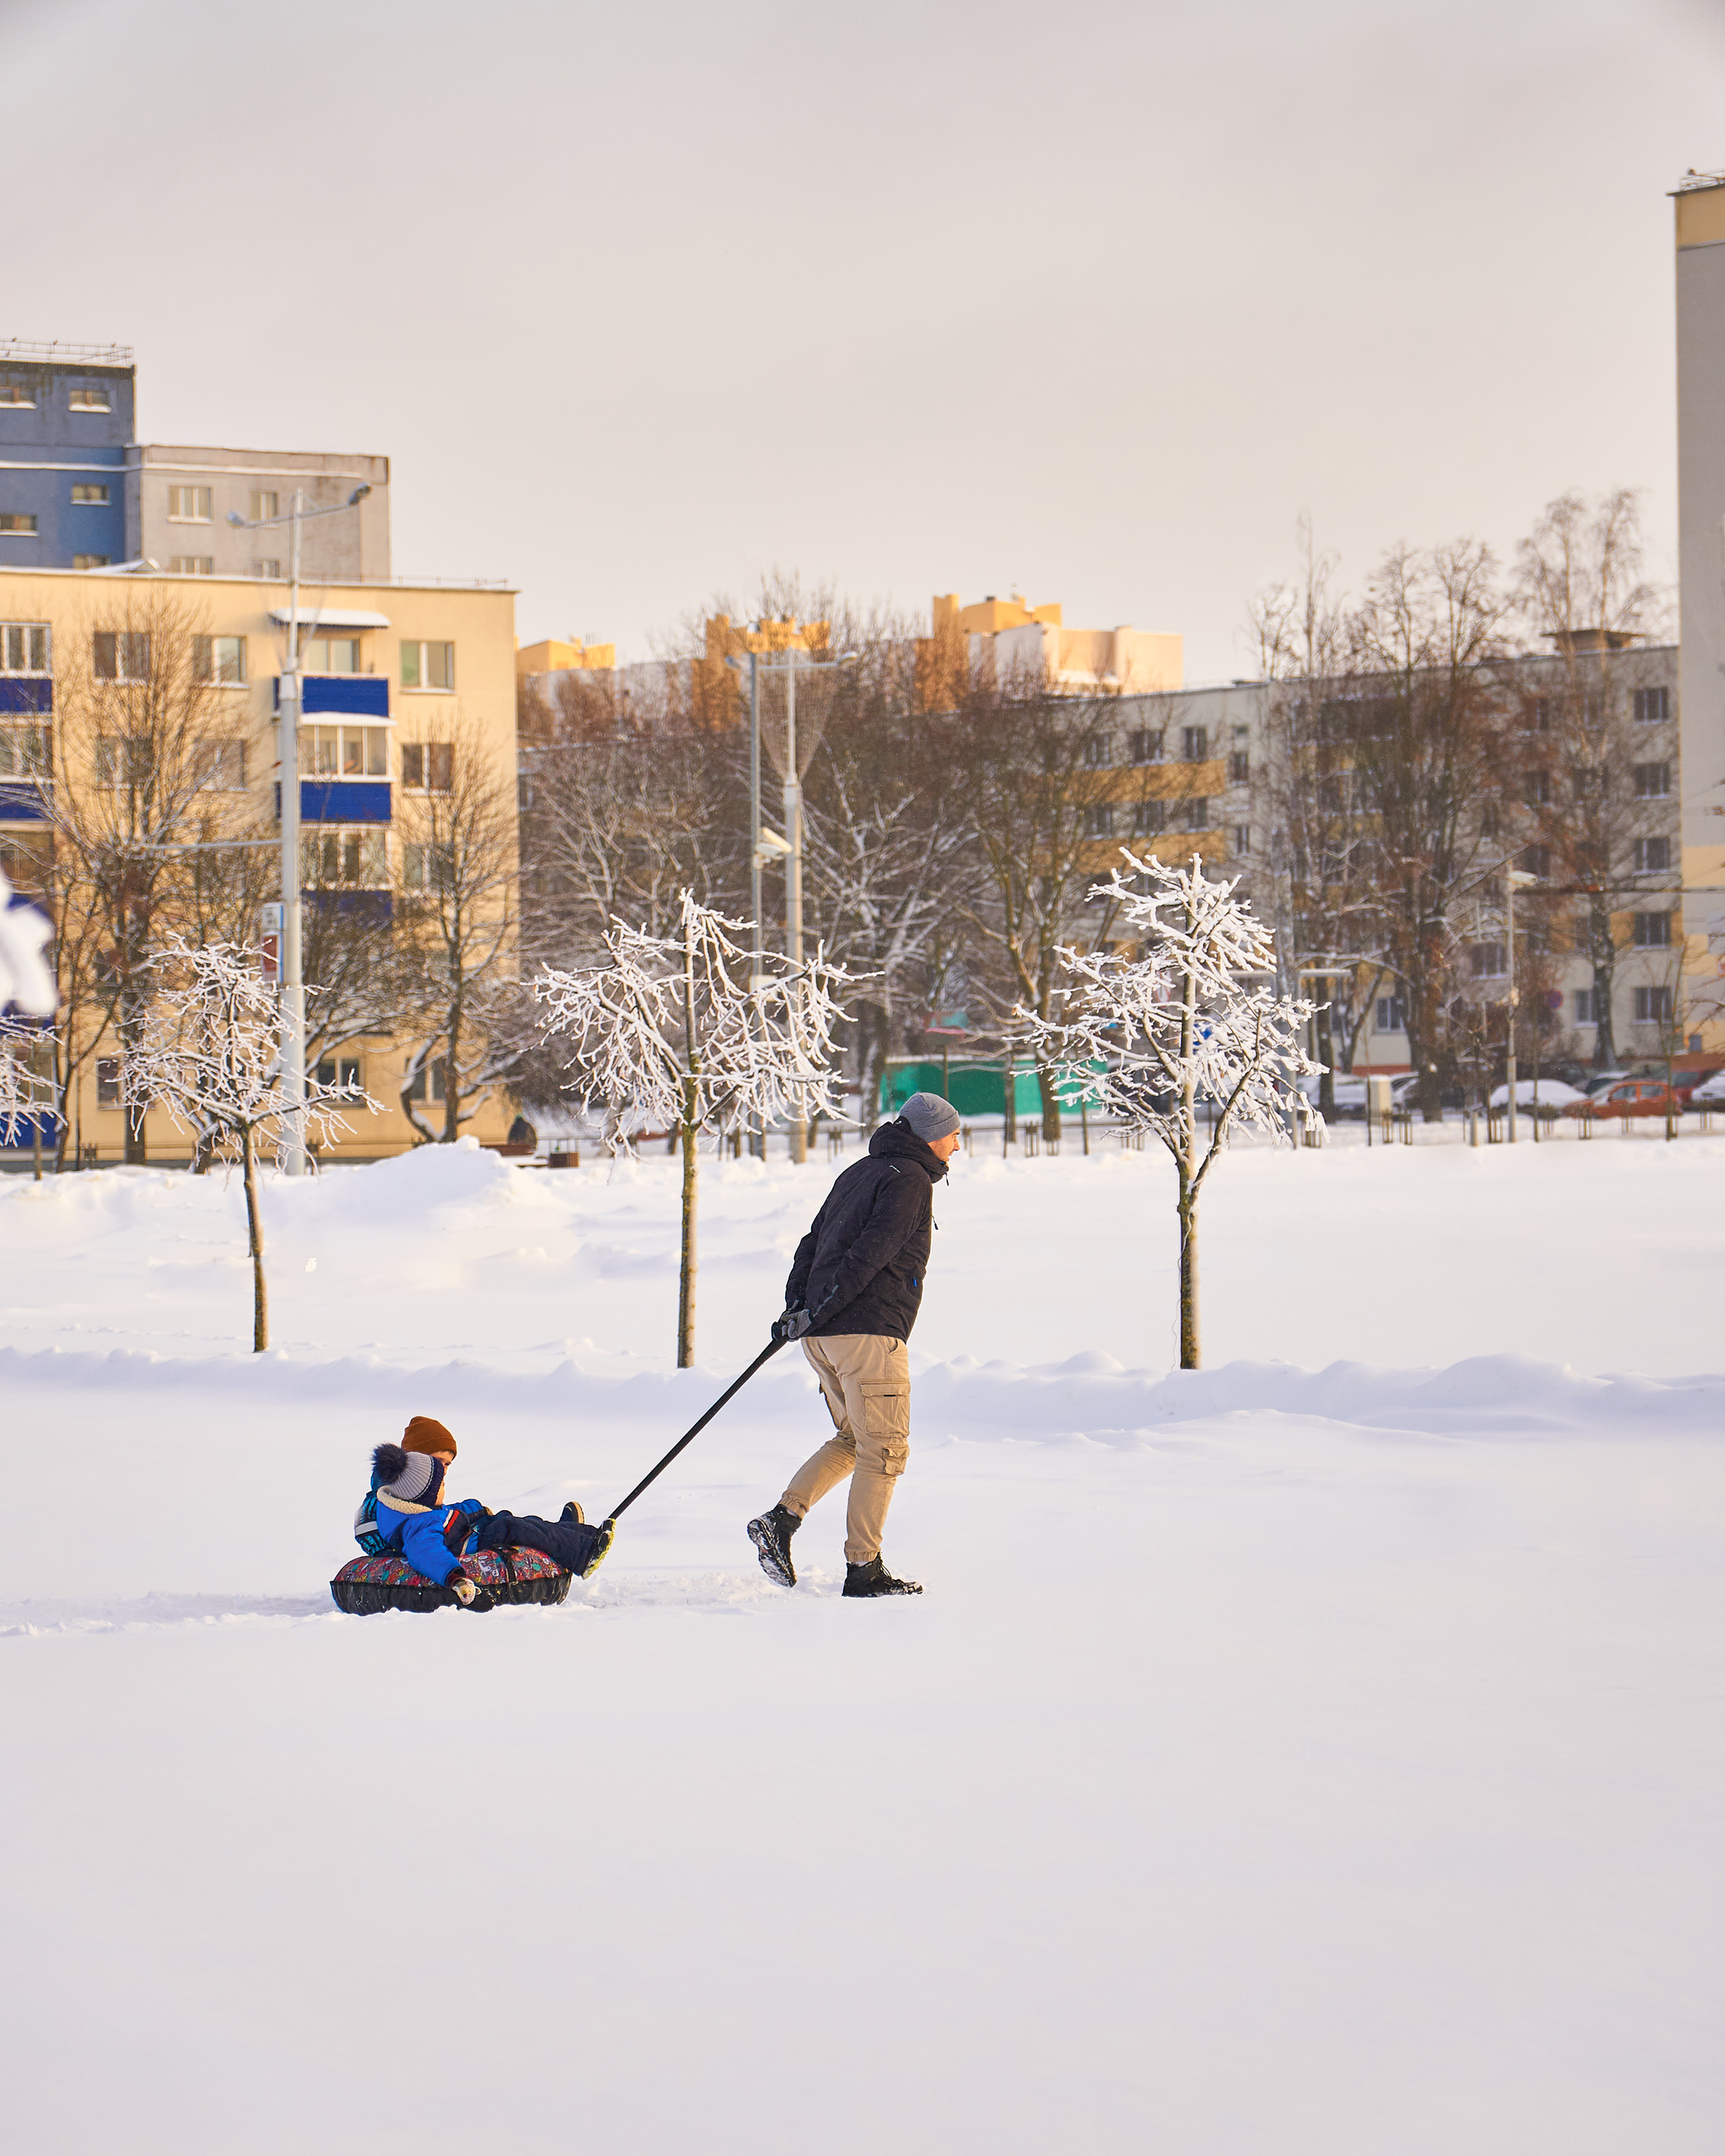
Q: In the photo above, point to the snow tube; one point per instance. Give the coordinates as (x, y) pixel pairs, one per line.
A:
(370, 1585)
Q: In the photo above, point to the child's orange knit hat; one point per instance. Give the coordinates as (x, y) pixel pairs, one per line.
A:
(423, 1434)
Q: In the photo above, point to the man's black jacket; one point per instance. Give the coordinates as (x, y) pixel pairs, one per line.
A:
(860, 1268)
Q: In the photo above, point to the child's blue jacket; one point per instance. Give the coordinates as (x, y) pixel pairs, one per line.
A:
(419, 1535)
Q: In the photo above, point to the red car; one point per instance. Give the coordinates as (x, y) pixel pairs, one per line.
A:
(1631, 1097)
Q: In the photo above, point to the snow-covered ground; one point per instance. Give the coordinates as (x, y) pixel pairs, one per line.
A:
(1318, 1754)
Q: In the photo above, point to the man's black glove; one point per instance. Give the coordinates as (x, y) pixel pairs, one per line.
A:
(792, 1325)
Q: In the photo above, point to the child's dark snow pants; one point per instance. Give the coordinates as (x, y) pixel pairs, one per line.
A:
(569, 1543)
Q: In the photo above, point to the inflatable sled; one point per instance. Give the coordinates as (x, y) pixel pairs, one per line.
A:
(370, 1585)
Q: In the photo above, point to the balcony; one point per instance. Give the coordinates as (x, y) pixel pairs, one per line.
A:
(341, 801)
(361, 695)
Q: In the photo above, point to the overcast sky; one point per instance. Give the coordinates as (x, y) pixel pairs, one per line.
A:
(1087, 301)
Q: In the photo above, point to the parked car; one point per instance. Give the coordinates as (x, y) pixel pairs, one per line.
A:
(1601, 1079)
(1552, 1093)
(1710, 1093)
(1630, 1096)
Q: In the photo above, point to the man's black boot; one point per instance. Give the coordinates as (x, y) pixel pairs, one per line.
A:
(874, 1578)
(571, 1511)
(772, 1536)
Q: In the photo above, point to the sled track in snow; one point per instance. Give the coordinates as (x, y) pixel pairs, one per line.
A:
(707, 1593)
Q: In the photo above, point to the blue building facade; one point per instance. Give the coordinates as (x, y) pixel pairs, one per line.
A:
(67, 420)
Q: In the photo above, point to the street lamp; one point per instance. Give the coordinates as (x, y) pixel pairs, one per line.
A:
(764, 843)
(1514, 879)
(293, 992)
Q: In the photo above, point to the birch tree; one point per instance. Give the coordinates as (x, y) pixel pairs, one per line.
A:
(209, 1053)
(668, 1034)
(1185, 1023)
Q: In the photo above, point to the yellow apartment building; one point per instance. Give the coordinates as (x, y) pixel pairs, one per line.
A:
(1008, 636)
(406, 686)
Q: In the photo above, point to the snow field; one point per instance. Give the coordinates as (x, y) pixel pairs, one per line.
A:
(1305, 1759)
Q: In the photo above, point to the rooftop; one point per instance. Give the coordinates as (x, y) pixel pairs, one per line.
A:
(101, 355)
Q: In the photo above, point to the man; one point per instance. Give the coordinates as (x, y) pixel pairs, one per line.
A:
(852, 1298)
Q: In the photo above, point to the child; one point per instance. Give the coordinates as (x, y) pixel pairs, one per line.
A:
(405, 1510)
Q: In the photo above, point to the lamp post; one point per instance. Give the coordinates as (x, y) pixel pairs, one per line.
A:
(293, 990)
(1514, 879)
(763, 842)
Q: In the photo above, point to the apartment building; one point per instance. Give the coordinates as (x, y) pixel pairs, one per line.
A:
(79, 491)
(1009, 638)
(399, 679)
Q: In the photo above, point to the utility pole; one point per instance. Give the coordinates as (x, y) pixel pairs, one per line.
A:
(794, 873)
(289, 714)
(293, 987)
(1512, 878)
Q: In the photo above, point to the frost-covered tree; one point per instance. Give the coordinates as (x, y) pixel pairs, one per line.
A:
(26, 978)
(1178, 1022)
(209, 1053)
(669, 1034)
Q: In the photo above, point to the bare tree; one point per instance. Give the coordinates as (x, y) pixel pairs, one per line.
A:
(458, 923)
(1590, 727)
(148, 759)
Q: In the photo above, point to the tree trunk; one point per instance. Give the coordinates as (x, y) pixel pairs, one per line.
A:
(1050, 1103)
(254, 1224)
(1009, 1097)
(686, 1283)
(1189, 1274)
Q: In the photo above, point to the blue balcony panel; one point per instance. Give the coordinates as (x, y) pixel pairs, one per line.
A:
(28, 692)
(358, 696)
(21, 802)
(374, 908)
(341, 801)
(18, 1133)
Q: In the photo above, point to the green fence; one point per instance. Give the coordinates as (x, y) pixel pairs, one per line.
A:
(973, 1088)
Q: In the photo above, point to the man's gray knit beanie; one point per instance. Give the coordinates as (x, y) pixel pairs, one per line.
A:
(930, 1117)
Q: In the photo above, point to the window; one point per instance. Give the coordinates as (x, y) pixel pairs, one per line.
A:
(192, 564)
(219, 659)
(14, 520)
(426, 867)
(342, 1070)
(26, 751)
(1148, 818)
(1490, 961)
(269, 568)
(220, 764)
(429, 767)
(120, 655)
(1243, 839)
(1536, 861)
(1488, 822)
(428, 666)
(345, 751)
(339, 858)
(1194, 744)
(1540, 714)
(428, 1082)
(1538, 790)
(1652, 706)
(24, 648)
(1392, 1016)
(1099, 752)
(1590, 782)
(1145, 744)
(188, 504)
(1099, 820)
(1652, 1006)
(90, 493)
(1652, 931)
(1652, 782)
(124, 760)
(1587, 1006)
(1331, 794)
(266, 503)
(16, 393)
(108, 1081)
(1239, 767)
(1198, 813)
(91, 561)
(330, 655)
(89, 396)
(1651, 854)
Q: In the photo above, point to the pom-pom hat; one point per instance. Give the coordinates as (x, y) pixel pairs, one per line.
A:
(408, 1478)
